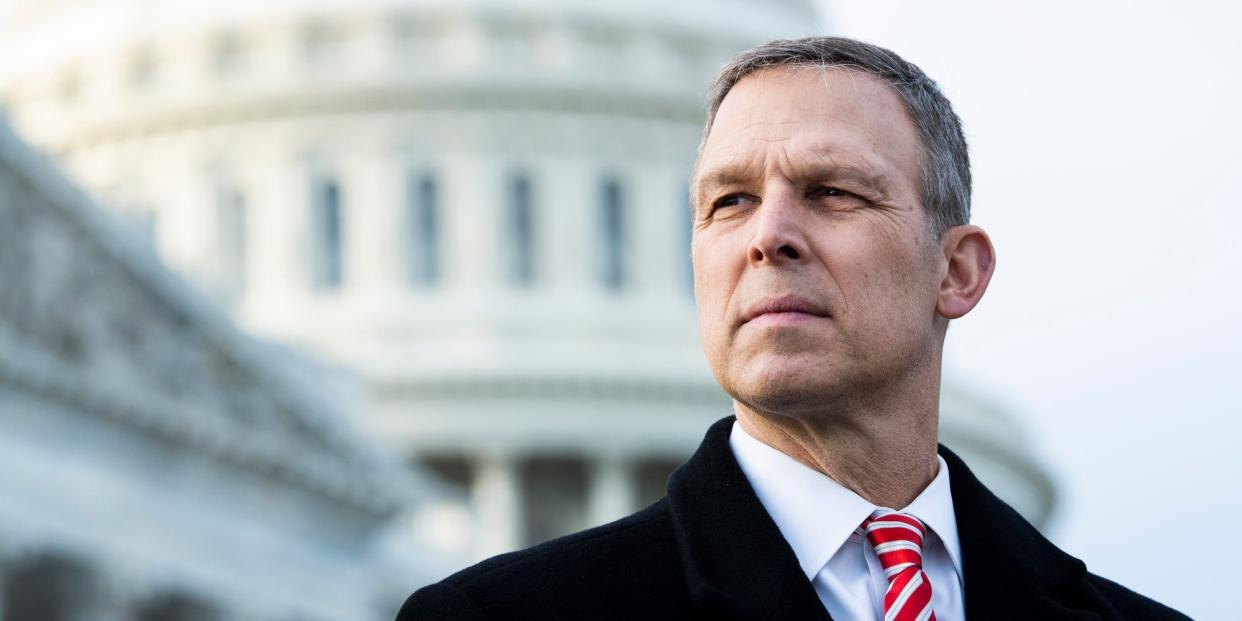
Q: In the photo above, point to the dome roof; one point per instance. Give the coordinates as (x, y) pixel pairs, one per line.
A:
(55, 27)
(81, 73)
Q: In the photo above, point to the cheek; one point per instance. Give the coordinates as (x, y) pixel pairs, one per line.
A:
(890, 289)
(715, 278)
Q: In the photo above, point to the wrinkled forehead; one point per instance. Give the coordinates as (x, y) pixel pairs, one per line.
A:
(837, 116)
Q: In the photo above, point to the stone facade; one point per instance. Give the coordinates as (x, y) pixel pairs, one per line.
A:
(157, 464)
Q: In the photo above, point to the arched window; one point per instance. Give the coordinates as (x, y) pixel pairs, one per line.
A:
(423, 218)
(612, 229)
(328, 236)
(521, 232)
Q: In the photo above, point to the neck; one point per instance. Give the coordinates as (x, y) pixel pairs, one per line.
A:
(883, 449)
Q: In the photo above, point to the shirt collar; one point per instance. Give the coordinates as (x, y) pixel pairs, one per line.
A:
(934, 506)
(816, 515)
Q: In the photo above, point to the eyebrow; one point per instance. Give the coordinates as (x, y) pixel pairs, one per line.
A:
(825, 167)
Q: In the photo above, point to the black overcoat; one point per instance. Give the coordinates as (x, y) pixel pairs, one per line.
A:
(709, 550)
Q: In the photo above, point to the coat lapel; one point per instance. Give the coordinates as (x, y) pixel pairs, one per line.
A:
(736, 563)
(1010, 570)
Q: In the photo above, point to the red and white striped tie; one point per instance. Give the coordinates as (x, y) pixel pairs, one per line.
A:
(898, 541)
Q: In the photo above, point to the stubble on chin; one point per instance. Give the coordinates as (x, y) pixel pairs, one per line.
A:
(777, 383)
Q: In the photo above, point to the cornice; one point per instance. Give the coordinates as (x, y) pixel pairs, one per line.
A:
(147, 121)
(509, 389)
(41, 376)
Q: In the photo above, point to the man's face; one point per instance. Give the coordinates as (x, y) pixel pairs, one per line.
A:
(815, 273)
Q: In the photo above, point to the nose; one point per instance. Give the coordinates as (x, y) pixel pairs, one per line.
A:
(778, 236)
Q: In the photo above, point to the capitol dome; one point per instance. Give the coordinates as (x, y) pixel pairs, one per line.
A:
(478, 209)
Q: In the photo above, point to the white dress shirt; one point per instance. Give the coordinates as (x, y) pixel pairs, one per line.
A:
(820, 518)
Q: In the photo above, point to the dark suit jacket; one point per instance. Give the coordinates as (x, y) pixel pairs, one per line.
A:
(709, 550)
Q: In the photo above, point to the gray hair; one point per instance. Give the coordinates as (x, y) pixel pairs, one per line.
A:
(945, 162)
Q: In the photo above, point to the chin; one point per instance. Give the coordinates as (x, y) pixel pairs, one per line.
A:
(782, 390)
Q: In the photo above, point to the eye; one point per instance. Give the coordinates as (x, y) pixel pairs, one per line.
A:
(836, 197)
(731, 200)
(828, 192)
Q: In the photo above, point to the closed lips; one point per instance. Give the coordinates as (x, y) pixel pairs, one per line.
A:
(787, 304)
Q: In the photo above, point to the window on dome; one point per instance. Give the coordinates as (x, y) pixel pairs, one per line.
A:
(328, 238)
(423, 220)
(612, 229)
(521, 232)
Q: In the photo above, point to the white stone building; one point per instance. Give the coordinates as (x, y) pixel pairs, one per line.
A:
(157, 465)
(477, 206)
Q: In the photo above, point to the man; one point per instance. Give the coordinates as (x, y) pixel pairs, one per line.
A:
(831, 248)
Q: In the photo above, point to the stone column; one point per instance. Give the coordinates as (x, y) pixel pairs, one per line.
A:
(281, 210)
(497, 498)
(182, 192)
(657, 243)
(373, 223)
(568, 233)
(471, 206)
(612, 492)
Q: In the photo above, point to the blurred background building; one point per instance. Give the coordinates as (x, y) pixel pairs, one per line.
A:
(472, 215)
(156, 464)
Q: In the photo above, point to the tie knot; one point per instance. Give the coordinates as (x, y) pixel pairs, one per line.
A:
(897, 539)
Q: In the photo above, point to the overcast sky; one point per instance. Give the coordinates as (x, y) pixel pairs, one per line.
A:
(1105, 138)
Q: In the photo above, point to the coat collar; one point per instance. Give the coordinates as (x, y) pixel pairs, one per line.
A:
(737, 564)
(1010, 570)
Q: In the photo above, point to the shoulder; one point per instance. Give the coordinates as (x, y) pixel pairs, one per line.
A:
(621, 569)
(1128, 604)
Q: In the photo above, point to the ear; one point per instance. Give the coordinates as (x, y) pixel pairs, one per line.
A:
(969, 263)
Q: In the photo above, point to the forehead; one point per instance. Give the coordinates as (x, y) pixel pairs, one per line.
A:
(784, 117)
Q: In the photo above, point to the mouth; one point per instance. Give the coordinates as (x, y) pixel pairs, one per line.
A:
(784, 310)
